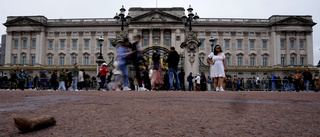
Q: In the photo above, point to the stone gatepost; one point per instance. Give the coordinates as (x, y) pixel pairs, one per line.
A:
(191, 53)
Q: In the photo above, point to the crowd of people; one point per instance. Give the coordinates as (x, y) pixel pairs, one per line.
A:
(151, 78)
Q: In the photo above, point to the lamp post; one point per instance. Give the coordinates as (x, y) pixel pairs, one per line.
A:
(122, 18)
(100, 41)
(191, 17)
(212, 40)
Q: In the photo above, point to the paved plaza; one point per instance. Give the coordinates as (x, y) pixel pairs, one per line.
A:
(163, 113)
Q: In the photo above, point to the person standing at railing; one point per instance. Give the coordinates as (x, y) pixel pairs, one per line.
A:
(285, 83)
(316, 83)
(273, 83)
(290, 81)
(298, 81)
(307, 77)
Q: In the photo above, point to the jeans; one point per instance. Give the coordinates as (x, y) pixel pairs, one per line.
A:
(307, 84)
(190, 85)
(75, 83)
(273, 86)
(62, 85)
(175, 73)
(285, 86)
(124, 70)
(103, 81)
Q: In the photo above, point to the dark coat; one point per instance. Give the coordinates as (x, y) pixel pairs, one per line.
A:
(156, 59)
(173, 60)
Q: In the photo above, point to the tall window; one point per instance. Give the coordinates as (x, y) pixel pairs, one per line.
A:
(33, 60)
(301, 61)
(86, 60)
(282, 44)
(74, 44)
(291, 44)
(24, 60)
(62, 61)
(167, 42)
(49, 61)
(24, 43)
(301, 44)
(62, 43)
(227, 61)
(251, 44)
(252, 61)
(15, 60)
(239, 44)
(34, 43)
(239, 61)
(156, 41)
(16, 44)
(202, 44)
(74, 60)
(264, 62)
(111, 46)
(292, 61)
(145, 42)
(282, 61)
(50, 44)
(227, 44)
(264, 44)
(86, 44)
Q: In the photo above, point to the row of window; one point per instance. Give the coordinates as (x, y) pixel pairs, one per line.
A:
(50, 62)
(292, 43)
(75, 44)
(24, 43)
(227, 44)
(292, 60)
(145, 42)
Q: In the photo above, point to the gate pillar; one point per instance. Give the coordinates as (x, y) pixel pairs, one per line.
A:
(191, 53)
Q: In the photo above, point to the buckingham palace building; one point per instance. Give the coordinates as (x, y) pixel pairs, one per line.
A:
(277, 45)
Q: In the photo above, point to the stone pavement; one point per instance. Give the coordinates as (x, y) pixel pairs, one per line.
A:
(164, 113)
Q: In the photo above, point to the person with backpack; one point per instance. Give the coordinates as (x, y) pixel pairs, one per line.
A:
(22, 77)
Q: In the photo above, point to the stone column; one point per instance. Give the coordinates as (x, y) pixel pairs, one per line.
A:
(297, 47)
(287, 47)
(42, 48)
(309, 46)
(173, 37)
(20, 45)
(161, 36)
(276, 48)
(150, 36)
(191, 53)
(8, 56)
(28, 61)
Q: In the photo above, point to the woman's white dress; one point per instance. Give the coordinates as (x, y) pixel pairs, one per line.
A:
(217, 69)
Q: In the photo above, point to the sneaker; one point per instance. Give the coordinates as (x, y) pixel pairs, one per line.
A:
(118, 89)
(221, 89)
(142, 89)
(217, 89)
(126, 89)
(76, 90)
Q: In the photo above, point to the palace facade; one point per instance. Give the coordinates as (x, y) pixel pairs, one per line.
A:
(253, 47)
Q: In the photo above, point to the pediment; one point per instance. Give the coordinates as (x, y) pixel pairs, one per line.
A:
(156, 16)
(22, 21)
(295, 20)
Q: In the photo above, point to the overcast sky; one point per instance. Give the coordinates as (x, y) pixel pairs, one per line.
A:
(55, 9)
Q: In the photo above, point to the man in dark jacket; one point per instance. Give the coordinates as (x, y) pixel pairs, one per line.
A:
(173, 60)
(307, 77)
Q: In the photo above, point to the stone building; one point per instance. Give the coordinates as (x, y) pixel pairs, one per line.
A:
(253, 47)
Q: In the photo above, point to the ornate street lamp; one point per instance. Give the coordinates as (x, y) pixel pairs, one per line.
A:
(212, 40)
(122, 18)
(191, 17)
(100, 57)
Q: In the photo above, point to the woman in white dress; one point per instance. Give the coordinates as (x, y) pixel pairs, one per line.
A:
(217, 61)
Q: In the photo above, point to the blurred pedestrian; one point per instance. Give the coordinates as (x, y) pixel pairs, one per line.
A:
(103, 75)
(54, 80)
(209, 83)
(123, 56)
(181, 79)
(307, 78)
(35, 81)
(75, 73)
(316, 83)
(166, 80)
(62, 79)
(217, 61)
(81, 79)
(13, 80)
(197, 80)
(190, 80)
(203, 80)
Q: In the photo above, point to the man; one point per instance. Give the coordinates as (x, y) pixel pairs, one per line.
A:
(75, 72)
(307, 77)
(123, 56)
(137, 60)
(181, 78)
(35, 82)
(173, 60)
(5, 80)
